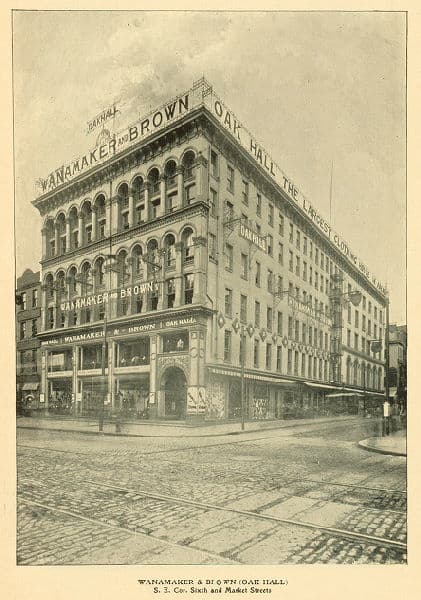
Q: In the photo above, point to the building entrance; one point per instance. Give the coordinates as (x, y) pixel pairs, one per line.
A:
(174, 388)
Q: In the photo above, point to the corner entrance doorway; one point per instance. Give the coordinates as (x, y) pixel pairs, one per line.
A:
(174, 389)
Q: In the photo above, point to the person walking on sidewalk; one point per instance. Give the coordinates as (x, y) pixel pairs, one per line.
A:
(386, 417)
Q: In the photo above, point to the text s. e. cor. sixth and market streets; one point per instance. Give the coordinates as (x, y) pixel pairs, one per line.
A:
(212, 586)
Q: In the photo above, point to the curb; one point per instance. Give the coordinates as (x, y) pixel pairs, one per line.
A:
(142, 435)
(365, 446)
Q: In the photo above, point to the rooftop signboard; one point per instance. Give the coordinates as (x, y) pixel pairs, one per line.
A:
(175, 110)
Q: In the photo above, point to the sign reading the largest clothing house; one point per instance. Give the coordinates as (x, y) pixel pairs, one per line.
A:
(227, 118)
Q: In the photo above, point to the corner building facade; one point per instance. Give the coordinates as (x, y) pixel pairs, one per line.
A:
(182, 269)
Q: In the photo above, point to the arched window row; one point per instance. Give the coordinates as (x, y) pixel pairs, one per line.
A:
(145, 198)
(363, 375)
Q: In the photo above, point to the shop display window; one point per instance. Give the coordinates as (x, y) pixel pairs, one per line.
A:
(61, 360)
(133, 354)
(92, 357)
(175, 342)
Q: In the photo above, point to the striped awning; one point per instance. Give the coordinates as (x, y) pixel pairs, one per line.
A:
(321, 386)
(274, 380)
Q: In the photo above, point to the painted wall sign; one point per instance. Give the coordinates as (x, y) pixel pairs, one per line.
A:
(122, 140)
(250, 235)
(105, 297)
(305, 308)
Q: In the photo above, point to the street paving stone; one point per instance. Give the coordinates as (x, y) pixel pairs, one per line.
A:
(67, 473)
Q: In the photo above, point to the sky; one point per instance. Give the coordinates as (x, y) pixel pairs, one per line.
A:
(316, 89)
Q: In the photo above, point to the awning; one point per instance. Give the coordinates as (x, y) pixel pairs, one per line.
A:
(346, 395)
(321, 386)
(32, 385)
(274, 380)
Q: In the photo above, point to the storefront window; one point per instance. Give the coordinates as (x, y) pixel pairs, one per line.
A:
(175, 342)
(133, 354)
(92, 357)
(61, 360)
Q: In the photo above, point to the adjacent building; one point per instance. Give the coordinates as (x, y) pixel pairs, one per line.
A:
(28, 353)
(398, 362)
(184, 276)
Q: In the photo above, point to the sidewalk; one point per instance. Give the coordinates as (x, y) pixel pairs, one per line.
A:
(165, 429)
(395, 443)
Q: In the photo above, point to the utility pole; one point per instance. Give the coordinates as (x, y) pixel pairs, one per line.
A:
(386, 353)
(243, 358)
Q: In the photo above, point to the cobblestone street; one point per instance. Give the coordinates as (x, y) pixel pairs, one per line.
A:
(302, 495)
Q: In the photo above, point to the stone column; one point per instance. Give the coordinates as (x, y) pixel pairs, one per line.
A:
(195, 410)
(147, 207)
(180, 187)
(56, 239)
(200, 257)
(80, 230)
(44, 242)
(44, 378)
(114, 215)
(201, 166)
(68, 235)
(178, 275)
(154, 409)
(76, 404)
(162, 194)
(108, 218)
(94, 222)
(131, 210)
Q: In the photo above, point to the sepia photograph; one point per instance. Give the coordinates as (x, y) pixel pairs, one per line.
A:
(210, 288)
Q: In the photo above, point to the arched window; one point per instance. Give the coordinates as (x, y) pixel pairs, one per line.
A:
(171, 186)
(87, 222)
(189, 178)
(154, 193)
(101, 216)
(86, 278)
(61, 230)
(138, 190)
(51, 238)
(153, 258)
(188, 246)
(99, 272)
(74, 229)
(123, 206)
(71, 280)
(137, 262)
(169, 246)
(348, 370)
(50, 309)
(122, 268)
(355, 373)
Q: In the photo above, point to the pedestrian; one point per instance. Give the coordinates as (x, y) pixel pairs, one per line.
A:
(386, 417)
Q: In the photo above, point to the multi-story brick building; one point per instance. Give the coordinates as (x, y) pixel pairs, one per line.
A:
(28, 353)
(180, 263)
(398, 361)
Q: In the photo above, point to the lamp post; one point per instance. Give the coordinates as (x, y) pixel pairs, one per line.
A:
(239, 327)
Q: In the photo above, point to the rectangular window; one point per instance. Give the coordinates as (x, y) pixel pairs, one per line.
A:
(256, 354)
(363, 323)
(322, 260)
(316, 256)
(356, 318)
(369, 327)
(304, 270)
(297, 331)
(170, 292)
(356, 341)
(280, 285)
(228, 302)
(303, 365)
(309, 370)
(270, 281)
(311, 249)
(23, 304)
(298, 240)
(244, 266)
(212, 246)
(364, 302)
(303, 333)
(213, 202)
(245, 192)
(34, 298)
(230, 179)
(348, 338)
(269, 318)
(22, 330)
(229, 212)
(257, 313)
(375, 330)
(280, 327)
(270, 215)
(291, 261)
(281, 225)
(362, 344)
(305, 245)
(280, 253)
(296, 363)
(297, 292)
(227, 346)
(279, 359)
(349, 313)
(310, 279)
(289, 365)
(297, 265)
(34, 327)
(290, 326)
(316, 280)
(259, 204)
(269, 244)
(268, 357)
(188, 288)
(243, 308)
(257, 276)
(229, 257)
(310, 336)
(291, 233)
(214, 163)
(375, 312)
(369, 307)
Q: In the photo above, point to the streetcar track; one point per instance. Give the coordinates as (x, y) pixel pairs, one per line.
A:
(299, 480)
(111, 526)
(333, 531)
